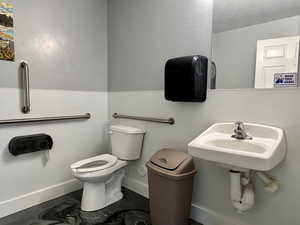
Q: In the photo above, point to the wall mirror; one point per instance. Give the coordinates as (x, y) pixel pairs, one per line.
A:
(255, 44)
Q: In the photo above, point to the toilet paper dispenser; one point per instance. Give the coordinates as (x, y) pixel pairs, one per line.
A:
(30, 143)
(186, 79)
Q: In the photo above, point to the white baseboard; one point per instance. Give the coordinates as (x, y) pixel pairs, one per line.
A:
(136, 186)
(198, 213)
(22, 202)
(208, 217)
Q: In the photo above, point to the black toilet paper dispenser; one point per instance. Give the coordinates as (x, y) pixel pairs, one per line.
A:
(186, 79)
(30, 143)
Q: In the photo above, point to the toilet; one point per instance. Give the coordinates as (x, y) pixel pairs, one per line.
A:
(102, 175)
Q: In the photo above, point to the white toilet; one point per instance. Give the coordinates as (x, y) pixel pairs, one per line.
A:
(102, 175)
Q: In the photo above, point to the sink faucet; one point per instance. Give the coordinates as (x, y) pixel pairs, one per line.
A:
(239, 132)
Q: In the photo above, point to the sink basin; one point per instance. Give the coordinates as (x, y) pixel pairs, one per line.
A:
(264, 151)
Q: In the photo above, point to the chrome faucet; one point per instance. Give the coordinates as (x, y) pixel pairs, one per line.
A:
(239, 132)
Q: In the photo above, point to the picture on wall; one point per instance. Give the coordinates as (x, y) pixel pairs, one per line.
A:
(7, 49)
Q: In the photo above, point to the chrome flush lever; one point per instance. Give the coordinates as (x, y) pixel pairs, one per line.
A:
(25, 86)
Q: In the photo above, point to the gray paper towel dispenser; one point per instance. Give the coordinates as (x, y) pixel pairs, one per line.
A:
(186, 79)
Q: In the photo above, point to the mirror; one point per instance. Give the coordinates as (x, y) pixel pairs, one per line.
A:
(255, 44)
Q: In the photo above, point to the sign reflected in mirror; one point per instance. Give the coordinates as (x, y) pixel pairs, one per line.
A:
(255, 44)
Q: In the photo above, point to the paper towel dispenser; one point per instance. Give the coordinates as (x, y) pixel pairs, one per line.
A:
(186, 79)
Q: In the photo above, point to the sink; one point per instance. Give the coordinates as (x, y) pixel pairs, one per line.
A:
(264, 151)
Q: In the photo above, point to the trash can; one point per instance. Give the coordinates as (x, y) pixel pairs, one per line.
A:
(170, 178)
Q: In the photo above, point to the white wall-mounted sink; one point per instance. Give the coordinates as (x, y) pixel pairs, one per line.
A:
(264, 151)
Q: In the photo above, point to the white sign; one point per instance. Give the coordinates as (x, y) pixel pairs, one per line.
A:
(282, 80)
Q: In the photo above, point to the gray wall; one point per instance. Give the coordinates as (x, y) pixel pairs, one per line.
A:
(65, 43)
(143, 34)
(131, 68)
(234, 52)
(211, 196)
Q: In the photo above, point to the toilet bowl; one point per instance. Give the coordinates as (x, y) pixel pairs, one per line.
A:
(102, 175)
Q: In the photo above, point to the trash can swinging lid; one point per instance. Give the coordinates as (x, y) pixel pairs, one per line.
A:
(169, 159)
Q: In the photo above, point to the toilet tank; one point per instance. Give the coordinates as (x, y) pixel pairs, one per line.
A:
(126, 142)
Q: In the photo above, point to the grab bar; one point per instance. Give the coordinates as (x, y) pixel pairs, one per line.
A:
(25, 86)
(170, 121)
(44, 119)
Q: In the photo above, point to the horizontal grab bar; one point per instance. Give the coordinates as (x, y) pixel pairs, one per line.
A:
(170, 121)
(44, 119)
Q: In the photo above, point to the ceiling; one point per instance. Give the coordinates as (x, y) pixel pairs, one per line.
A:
(232, 14)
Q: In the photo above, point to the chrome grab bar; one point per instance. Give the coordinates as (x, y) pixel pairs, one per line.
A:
(170, 121)
(44, 119)
(25, 86)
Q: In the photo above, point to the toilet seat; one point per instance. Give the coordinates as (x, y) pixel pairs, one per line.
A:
(93, 164)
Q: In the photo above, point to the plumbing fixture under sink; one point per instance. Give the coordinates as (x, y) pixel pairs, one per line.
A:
(252, 147)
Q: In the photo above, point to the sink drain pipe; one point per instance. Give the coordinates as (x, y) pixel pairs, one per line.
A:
(242, 191)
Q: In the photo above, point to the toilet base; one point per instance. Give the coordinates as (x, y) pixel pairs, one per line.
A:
(97, 196)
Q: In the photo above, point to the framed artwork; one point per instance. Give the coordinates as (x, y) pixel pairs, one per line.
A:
(7, 48)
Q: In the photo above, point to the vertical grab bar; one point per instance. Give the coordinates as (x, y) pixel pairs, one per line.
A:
(25, 86)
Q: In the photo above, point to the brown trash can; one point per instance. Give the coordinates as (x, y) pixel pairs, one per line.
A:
(170, 178)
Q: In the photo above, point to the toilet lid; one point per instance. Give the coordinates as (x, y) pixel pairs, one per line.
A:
(97, 163)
